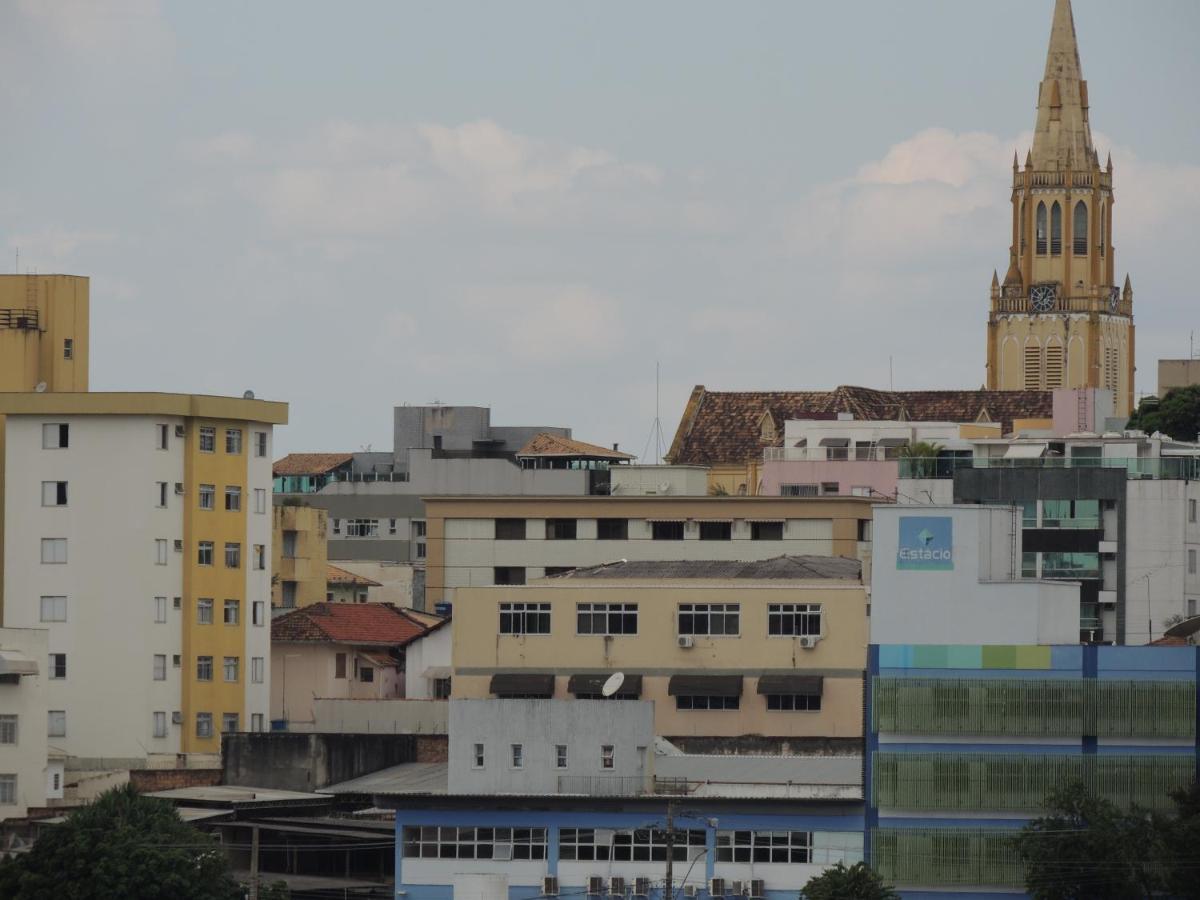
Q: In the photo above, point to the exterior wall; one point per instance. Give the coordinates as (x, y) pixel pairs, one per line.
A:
(876, 477)
(431, 650)
(1158, 537)
(395, 580)
(989, 605)
(388, 716)
(1078, 410)
(538, 726)
(303, 672)
(29, 356)
(306, 567)
(26, 759)
(309, 762)
(479, 650)
(734, 480)
(488, 477)
(687, 481)
(1175, 373)
(463, 552)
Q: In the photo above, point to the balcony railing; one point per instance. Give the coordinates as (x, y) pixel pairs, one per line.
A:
(829, 454)
(1085, 304)
(620, 785)
(1157, 467)
(24, 319)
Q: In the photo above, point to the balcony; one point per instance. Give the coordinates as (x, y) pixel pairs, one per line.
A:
(1173, 468)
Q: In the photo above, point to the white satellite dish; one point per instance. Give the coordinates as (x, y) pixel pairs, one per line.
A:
(41, 387)
(249, 395)
(613, 684)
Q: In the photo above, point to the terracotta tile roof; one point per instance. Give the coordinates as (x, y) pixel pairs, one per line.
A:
(334, 575)
(555, 445)
(310, 463)
(727, 426)
(348, 623)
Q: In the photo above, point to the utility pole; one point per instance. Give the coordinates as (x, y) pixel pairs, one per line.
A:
(668, 892)
(253, 862)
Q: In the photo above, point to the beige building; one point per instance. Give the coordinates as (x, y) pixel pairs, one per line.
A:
(43, 332)
(481, 541)
(774, 648)
(1177, 373)
(1060, 318)
(299, 569)
(343, 586)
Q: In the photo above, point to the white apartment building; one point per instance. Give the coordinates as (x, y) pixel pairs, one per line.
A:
(27, 777)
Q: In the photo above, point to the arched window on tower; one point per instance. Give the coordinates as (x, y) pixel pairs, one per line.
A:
(1041, 229)
(1022, 226)
(1079, 227)
(1055, 229)
(1102, 229)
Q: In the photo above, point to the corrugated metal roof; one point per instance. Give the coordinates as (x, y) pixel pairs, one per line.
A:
(800, 568)
(406, 778)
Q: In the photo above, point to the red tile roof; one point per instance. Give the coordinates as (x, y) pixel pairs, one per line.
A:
(726, 426)
(556, 445)
(310, 463)
(348, 623)
(335, 575)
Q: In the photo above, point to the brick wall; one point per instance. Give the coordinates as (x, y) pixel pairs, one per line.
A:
(433, 748)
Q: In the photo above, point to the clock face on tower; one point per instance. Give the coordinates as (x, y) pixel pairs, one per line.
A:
(1114, 298)
(1041, 298)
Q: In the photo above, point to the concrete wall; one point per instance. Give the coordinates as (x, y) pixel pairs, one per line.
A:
(851, 476)
(395, 580)
(380, 716)
(687, 481)
(433, 650)
(975, 602)
(1173, 373)
(1158, 537)
(27, 701)
(488, 477)
(538, 726)
(306, 762)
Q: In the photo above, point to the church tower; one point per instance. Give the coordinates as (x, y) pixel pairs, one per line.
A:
(1060, 318)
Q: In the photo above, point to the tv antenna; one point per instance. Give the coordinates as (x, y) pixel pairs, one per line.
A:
(656, 432)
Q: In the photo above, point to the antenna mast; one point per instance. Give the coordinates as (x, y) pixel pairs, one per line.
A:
(656, 433)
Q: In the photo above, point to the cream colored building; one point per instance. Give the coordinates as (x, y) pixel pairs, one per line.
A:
(774, 648)
(27, 777)
(481, 541)
(43, 332)
(1177, 373)
(299, 568)
(1061, 318)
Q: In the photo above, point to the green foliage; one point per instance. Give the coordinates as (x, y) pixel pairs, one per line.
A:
(922, 458)
(718, 490)
(276, 890)
(858, 882)
(123, 846)
(1181, 845)
(1176, 414)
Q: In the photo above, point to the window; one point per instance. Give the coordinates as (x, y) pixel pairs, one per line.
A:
(204, 725)
(362, 528)
(8, 729)
(204, 553)
(260, 557)
(258, 612)
(798, 490)
(612, 529)
(233, 498)
(419, 552)
(518, 756)
(1191, 562)
(160, 551)
(716, 531)
(176, 661)
(230, 667)
(208, 444)
(54, 609)
(700, 702)
(68, 348)
(288, 548)
(337, 526)
(794, 702)
(260, 500)
(788, 619)
(58, 723)
(606, 618)
(650, 845)
(607, 756)
(8, 790)
(229, 723)
(1040, 229)
(510, 529)
(256, 721)
(161, 433)
(560, 529)
(160, 609)
(54, 551)
(478, 756)
(160, 667)
(339, 665)
(208, 496)
(1055, 229)
(257, 670)
(391, 526)
(710, 618)
(204, 668)
(1079, 229)
(58, 665)
(666, 531)
(764, 846)
(160, 724)
(204, 611)
(233, 556)
(233, 440)
(161, 492)
(524, 618)
(1070, 514)
(1191, 510)
(1070, 565)
(56, 436)
(54, 493)
(432, 842)
(260, 444)
(366, 674)
(766, 531)
(232, 612)
(441, 689)
(560, 756)
(508, 575)
(418, 528)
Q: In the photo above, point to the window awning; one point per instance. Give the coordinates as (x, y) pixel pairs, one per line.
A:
(13, 662)
(791, 683)
(705, 686)
(379, 659)
(1024, 451)
(657, 520)
(592, 684)
(437, 672)
(758, 521)
(835, 442)
(891, 442)
(524, 684)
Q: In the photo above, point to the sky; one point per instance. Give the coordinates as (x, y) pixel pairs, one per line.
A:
(530, 205)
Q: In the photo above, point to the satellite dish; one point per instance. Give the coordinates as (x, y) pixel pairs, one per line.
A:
(613, 684)
(41, 387)
(249, 395)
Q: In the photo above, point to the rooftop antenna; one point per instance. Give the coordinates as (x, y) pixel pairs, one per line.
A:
(17, 264)
(656, 435)
(891, 375)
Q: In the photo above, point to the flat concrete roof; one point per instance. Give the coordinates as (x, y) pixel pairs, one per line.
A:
(144, 403)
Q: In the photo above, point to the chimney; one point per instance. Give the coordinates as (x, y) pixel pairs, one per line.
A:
(615, 450)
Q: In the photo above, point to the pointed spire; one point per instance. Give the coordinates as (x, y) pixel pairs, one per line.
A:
(1109, 162)
(1015, 166)
(1127, 292)
(995, 279)
(1062, 120)
(1028, 158)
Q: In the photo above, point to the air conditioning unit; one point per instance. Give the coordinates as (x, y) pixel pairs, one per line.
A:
(690, 890)
(808, 641)
(616, 886)
(641, 887)
(177, 718)
(179, 488)
(179, 432)
(686, 641)
(550, 886)
(178, 603)
(716, 887)
(595, 885)
(179, 546)
(758, 889)
(737, 888)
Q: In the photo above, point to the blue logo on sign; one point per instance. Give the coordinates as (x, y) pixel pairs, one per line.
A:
(926, 543)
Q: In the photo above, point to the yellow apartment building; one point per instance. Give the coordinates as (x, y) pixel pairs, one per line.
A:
(43, 332)
(299, 556)
(774, 648)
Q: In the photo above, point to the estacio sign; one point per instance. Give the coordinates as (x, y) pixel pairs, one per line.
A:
(926, 543)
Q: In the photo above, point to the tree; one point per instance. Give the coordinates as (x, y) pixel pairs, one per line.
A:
(1176, 414)
(123, 846)
(1086, 848)
(922, 458)
(1181, 838)
(858, 882)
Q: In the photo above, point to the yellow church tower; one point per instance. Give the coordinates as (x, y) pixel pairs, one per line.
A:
(1059, 319)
